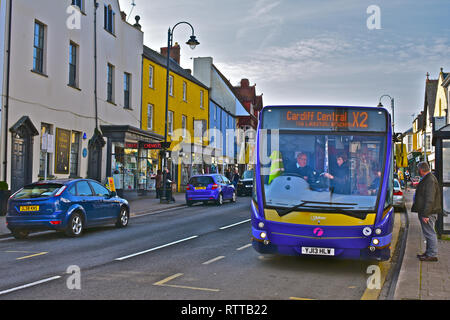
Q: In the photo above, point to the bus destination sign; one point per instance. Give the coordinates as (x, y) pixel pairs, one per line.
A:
(325, 118)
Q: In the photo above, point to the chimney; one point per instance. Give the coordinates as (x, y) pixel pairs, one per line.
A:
(174, 52)
(123, 15)
(245, 83)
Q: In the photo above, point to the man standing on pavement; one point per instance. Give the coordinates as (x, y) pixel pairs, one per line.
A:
(427, 203)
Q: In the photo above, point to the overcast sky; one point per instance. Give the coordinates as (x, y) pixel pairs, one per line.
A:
(312, 51)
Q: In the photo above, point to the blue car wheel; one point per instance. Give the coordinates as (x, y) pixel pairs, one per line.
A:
(75, 226)
(123, 219)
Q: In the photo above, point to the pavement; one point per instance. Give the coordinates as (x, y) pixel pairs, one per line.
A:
(139, 206)
(422, 280)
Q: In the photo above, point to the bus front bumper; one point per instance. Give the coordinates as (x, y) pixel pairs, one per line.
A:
(364, 248)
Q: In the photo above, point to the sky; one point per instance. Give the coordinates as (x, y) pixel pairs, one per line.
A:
(337, 52)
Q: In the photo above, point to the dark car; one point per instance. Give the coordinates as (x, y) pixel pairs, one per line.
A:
(64, 205)
(245, 184)
(212, 187)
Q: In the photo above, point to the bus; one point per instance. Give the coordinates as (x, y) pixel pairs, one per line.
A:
(323, 182)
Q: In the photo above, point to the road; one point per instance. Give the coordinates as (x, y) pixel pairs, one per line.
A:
(202, 252)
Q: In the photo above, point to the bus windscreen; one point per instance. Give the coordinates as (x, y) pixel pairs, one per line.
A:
(316, 118)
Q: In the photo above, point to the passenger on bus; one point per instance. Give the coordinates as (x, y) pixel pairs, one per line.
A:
(373, 188)
(302, 169)
(340, 177)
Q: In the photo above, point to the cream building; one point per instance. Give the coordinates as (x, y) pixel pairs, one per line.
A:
(59, 86)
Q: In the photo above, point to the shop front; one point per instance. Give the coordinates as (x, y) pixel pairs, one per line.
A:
(133, 159)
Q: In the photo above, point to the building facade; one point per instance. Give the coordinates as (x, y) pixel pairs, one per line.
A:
(76, 68)
(223, 104)
(428, 113)
(441, 107)
(188, 111)
(247, 122)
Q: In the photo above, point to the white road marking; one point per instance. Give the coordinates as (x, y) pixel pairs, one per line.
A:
(29, 285)
(244, 247)
(137, 215)
(214, 260)
(235, 224)
(156, 248)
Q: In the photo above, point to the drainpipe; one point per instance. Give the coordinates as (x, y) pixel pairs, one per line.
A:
(95, 64)
(6, 107)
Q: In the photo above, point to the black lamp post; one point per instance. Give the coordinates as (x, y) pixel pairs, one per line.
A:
(392, 107)
(192, 42)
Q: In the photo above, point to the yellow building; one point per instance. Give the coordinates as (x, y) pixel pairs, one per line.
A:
(187, 116)
(441, 106)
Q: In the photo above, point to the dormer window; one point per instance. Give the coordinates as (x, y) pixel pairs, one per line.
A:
(109, 19)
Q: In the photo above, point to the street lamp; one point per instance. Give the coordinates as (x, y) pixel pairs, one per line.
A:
(192, 42)
(392, 107)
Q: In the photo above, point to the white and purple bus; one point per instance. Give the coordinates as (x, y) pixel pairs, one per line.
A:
(324, 182)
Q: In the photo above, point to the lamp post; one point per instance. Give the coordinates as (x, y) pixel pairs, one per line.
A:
(393, 118)
(192, 42)
(392, 107)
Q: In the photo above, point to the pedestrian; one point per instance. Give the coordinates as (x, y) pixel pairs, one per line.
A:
(169, 185)
(158, 183)
(236, 178)
(428, 204)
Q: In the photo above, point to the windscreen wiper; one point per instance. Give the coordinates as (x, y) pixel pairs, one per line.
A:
(289, 210)
(304, 203)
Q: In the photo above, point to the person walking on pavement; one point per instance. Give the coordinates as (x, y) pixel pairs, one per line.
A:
(427, 203)
(158, 183)
(236, 178)
(169, 185)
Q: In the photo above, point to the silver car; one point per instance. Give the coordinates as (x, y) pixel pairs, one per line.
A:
(399, 198)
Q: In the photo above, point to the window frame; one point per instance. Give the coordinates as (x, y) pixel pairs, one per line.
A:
(184, 125)
(39, 47)
(110, 75)
(127, 90)
(201, 99)
(151, 74)
(109, 19)
(150, 119)
(170, 119)
(73, 64)
(184, 91)
(79, 4)
(171, 83)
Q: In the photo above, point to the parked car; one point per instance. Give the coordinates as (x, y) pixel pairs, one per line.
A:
(415, 181)
(212, 187)
(70, 206)
(399, 198)
(245, 184)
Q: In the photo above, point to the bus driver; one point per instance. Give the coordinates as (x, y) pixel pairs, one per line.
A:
(302, 169)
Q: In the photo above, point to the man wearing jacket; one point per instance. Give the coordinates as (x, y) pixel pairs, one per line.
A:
(428, 204)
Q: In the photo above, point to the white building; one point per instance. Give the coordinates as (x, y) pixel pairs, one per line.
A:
(53, 86)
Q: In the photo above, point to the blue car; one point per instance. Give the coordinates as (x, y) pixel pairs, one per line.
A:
(64, 205)
(211, 187)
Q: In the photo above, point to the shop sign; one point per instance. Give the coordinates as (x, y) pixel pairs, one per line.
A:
(144, 145)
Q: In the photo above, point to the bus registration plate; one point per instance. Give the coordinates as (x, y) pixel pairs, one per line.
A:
(318, 251)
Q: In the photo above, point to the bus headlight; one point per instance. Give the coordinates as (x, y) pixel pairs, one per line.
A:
(367, 231)
(263, 235)
(376, 241)
(378, 231)
(261, 225)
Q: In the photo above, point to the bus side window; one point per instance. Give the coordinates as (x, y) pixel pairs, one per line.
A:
(390, 188)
